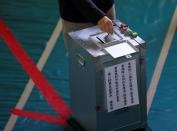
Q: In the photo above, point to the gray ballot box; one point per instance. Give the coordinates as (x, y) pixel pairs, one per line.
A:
(107, 80)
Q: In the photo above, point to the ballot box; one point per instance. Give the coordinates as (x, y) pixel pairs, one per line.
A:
(107, 79)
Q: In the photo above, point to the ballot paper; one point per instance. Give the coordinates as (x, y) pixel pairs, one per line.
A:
(119, 50)
(121, 87)
(103, 38)
(106, 38)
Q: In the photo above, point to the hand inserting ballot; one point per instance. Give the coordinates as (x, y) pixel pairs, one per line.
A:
(106, 25)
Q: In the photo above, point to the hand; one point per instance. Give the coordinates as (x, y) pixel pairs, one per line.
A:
(105, 24)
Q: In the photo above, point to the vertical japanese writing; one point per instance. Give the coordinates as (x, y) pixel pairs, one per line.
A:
(130, 82)
(123, 84)
(110, 91)
(116, 84)
(109, 84)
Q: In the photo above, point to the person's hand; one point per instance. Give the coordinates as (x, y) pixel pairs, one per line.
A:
(106, 25)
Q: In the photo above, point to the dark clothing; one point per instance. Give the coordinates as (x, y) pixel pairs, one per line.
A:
(84, 10)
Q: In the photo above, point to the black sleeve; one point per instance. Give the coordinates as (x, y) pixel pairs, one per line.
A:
(89, 10)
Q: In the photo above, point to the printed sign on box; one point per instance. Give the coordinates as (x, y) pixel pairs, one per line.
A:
(121, 85)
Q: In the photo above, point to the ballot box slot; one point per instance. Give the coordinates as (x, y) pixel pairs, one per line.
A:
(103, 39)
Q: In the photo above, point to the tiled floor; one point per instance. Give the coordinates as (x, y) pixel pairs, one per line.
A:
(33, 22)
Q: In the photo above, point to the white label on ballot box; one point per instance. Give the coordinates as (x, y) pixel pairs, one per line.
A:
(121, 85)
(119, 50)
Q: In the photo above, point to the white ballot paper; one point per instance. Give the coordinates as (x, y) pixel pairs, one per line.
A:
(121, 85)
(119, 50)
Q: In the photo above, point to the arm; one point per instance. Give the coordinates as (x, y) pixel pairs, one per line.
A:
(89, 10)
(92, 13)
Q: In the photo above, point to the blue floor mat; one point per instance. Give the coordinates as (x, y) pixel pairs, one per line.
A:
(33, 22)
